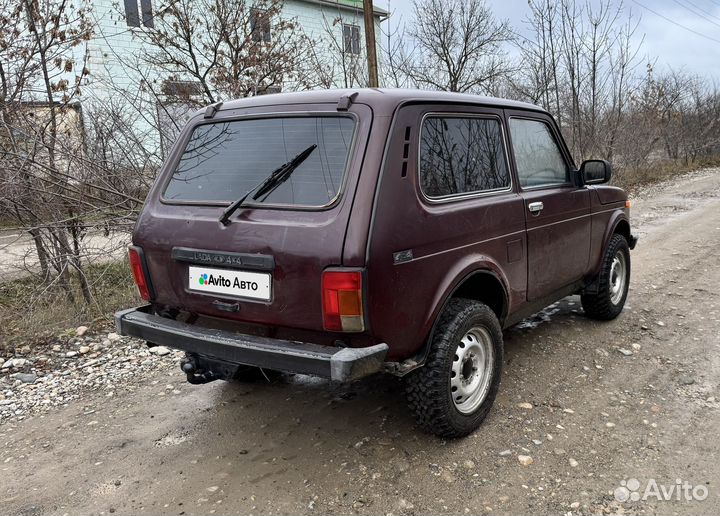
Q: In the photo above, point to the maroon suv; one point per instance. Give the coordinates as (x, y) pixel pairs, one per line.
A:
(342, 233)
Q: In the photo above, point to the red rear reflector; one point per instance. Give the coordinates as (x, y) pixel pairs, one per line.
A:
(627, 204)
(138, 270)
(342, 301)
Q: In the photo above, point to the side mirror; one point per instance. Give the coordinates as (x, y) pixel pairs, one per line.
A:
(595, 171)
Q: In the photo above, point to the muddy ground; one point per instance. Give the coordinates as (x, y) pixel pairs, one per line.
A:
(636, 398)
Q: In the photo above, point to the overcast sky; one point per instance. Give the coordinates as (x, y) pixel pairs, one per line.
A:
(680, 34)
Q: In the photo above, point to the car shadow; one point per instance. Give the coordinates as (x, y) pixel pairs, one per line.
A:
(314, 409)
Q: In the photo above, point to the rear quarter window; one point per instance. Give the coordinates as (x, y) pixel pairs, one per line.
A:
(224, 160)
(462, 155)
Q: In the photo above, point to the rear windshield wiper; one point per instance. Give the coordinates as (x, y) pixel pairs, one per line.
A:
(275, 179)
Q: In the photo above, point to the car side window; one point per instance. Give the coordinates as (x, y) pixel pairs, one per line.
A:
(537, 155)
(461, 155)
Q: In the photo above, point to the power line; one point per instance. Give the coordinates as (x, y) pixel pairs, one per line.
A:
(676, 23)
(702, 10)
(696, 13)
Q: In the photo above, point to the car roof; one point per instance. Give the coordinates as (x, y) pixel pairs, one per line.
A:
(382, 100)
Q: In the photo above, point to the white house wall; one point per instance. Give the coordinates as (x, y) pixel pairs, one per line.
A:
(116, 45)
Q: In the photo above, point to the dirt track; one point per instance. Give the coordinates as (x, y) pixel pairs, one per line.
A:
(600, 416)
(18, 256)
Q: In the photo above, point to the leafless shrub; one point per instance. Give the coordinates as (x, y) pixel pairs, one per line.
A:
(53, 191)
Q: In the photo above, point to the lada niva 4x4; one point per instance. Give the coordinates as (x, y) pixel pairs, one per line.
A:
(347, 232)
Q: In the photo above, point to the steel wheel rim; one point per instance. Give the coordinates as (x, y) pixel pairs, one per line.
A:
(618, 277)
(471, 370)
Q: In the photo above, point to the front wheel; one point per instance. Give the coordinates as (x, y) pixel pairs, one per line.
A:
(613, 282)
(455, 389)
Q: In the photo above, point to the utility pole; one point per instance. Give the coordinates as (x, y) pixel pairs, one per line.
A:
(370, 44)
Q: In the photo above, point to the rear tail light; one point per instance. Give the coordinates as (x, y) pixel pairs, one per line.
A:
(627, 204)
(142, 280)
(342, 299)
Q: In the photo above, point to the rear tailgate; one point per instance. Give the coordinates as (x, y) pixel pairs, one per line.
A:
(264, 267)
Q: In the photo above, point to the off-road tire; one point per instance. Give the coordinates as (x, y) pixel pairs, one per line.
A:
(428, 389)
(599, 305)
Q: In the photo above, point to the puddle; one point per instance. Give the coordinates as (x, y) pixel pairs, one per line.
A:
(543, 316)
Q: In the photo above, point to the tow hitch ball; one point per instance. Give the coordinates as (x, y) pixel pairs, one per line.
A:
(194, 375)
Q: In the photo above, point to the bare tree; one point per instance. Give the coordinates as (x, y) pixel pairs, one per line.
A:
(580, 63)
(333, 60)
(395, 57)
(63, 181)
(230, 48)
(41, 76)
(456, 45)
(685, 114)
(537, 77)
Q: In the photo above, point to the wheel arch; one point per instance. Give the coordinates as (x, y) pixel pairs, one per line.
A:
(485, 286)
(622, 227)
(618, 224)
(485, 283)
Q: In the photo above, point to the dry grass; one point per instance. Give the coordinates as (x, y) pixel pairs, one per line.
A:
(656, 172)
(30, 311)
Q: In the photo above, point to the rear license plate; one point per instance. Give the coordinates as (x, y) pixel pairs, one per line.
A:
(254, 285)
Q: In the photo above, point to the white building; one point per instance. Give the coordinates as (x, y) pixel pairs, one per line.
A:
(336, 27)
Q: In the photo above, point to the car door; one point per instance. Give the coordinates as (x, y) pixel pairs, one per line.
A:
(557, 210)
(446, 207)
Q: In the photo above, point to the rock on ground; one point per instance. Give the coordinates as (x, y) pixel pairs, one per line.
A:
(61, 372)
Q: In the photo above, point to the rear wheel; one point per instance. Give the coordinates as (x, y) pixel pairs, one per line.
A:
(613, 282)
(455, 389)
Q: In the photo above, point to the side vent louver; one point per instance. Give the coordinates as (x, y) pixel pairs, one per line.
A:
(406, 152)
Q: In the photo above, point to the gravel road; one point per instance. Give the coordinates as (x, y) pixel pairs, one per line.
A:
(18, 256)
(588, 414)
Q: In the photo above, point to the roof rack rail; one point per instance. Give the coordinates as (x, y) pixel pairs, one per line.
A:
(346, 101)
(212, 109)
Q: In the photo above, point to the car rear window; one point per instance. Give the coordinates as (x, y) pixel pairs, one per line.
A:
(462, 155)
(224, 160)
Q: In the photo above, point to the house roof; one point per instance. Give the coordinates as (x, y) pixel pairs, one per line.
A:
(349, 4)
(383, 101)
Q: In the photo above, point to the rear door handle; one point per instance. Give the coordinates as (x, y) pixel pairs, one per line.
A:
(536, 207)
